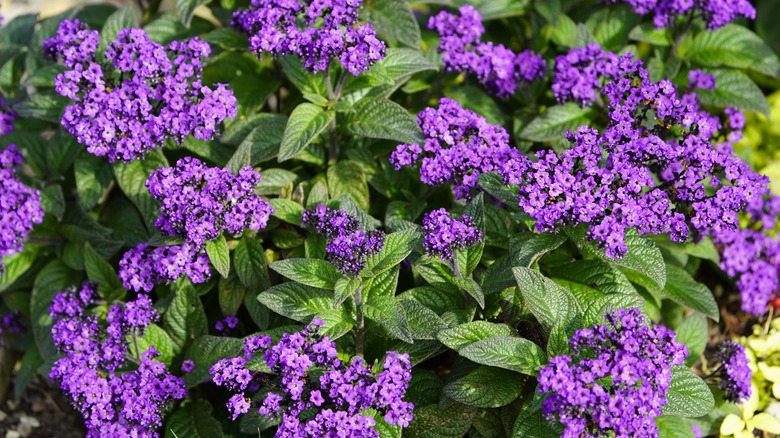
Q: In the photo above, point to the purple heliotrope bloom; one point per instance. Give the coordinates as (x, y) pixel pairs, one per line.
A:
(20, 206)
(330, 402)
(198, 203)
(11, 323)
(752, 256)
(663, 165)
(459, 146)
(348, 244)
(701, 80)
(143, 267)
(317, 31)
(498, 68)
(735, 372)
(144, 95)
(716, 13)
(615, 379)
(114, 404)
(443, 234)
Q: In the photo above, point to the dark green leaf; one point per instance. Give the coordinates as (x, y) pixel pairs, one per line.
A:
(155, 337)
(311, 272)
(388, 313)
(101, 272)
(53, 201)
(193, 420)
(550, 303)
(431, 421)
(344, 289)
(731, 46)
(124, 18)
(461, 336)
(185, 9)
(347, 178)
(219, 255)
(132, 177)
(306, 122)
(249, 261)
(508, 352)
(735, 88)
(185, 319)
(286, 210)
(231, 294)
(53, 278)
(382, 118)
(694, 334)
(688, 394)
(17, 264)
(93, 177)
(297, 301)
(486, 387)
(394, 18)
(396, 248)
(207, 350)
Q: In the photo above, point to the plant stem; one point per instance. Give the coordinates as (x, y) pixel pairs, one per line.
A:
(152, 9)
(360, 322)
(333, 97)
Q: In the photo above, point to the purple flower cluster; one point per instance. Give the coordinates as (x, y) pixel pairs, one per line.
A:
(318, 31)
(443, 234)
(20, 206)
(662, 165)
(199, 203)
(735, 372)
(331, 404)
(7, 116)
(227, 325)
(716, 13)
(145, 94)
(11, 323)
(143, 266)
(459, 146)
(615, 380)
(701, 80)
(348, 244)
(114, 404)
(498, 68)
(752, 256)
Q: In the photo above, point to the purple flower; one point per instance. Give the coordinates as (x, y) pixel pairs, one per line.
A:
(348, 245)
(735, 373)
(459, 146)
(199, 203)
(9, 324)
(187, 366)
(143, 267)
(20, 206)
(226, 325)
(699, 79)
(716, 13)
(616, 372)
(317, 31)
(330, 402)
(498, 68)
(660, 166)
(443, 234)
(145, 94)
(127, 403)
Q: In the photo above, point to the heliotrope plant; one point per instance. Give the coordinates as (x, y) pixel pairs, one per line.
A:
(327, 218)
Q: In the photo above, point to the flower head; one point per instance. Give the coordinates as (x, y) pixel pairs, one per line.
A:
(735, 372)
(443, 234)
(20, 206)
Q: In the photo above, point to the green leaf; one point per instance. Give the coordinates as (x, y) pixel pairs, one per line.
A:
(53, 278)
(472, 288)
(532, 424)
(495, 9)
(18, 31)
(461, 336)
(388, 313)
(531, 250)
(611, 26)
(396, 248)
(219, 255)
(643, 255)
(45, 106)
(394, 18)
(193, 420)
(306, 122)
(400, 63)
(286, 210)
(311, 272)
(431, 421)
(53, 201)
(157, 337)
(347, 178)
(486, 387)
(186, 8)
(207, 350)
(555, 121)
(101, 272)
(597, 309)
(688, 395)
(508, 352)
(124, 18)
(735, 88)
(550, 303)
(596, 274)
(683, 289)
(344, 289)
(675, 427)
(185, 319)
(731, 46)
(306, 82)
(132, 177)
(694, 334)
(648, 33)
(377, 117)
(296, 301)
(384, 284)
(17, 264)
(262, 143)
(249, 262)
(231, 294)
(93, 177)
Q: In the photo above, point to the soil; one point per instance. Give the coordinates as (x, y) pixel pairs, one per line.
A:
(41, 412)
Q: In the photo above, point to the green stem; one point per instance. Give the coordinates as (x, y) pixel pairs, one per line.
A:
(360, 325)
(149, 12)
